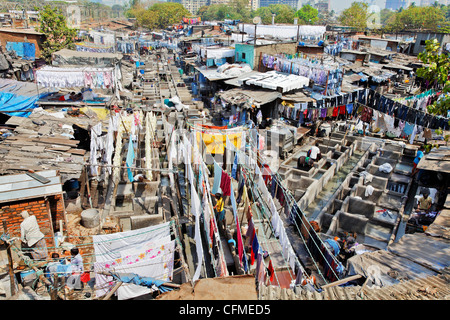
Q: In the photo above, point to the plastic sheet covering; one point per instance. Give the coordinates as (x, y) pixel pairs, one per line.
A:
(68, 57)
(18, 96)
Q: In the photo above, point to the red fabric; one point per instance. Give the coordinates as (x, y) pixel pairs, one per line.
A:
(239, 241)
(341, 109)
(225, 184)
(85, 277)
(335, 111)
(252, 254)
(270, 268)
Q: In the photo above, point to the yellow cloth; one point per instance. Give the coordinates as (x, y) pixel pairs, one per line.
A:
(219, 205)
(102, 113)
(215, 143)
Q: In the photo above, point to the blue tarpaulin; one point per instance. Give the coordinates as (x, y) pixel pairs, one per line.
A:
(18, 96)
(141, 281)
(25, 50)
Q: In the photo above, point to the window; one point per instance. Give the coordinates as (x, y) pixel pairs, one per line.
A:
(243, 55)
(422, 42)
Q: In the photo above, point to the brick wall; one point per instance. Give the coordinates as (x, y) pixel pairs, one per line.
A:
(21, 37)
(37, 207)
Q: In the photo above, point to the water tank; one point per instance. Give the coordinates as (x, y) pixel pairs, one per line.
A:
(90, 218)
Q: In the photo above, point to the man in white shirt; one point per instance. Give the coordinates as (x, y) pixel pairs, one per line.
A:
(314, 152)
(32, 238)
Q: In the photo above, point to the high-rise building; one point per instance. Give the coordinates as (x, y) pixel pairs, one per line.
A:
(322, 6)
(192, 5)
(396, 4)
(293, 3)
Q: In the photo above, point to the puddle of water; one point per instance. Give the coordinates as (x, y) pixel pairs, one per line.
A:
(403, 167)
(318, 175)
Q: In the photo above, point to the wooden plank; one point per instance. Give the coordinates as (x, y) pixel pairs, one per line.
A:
(59, 148)
(37, 149)
(58, 141)
(80, 152)
(37, 177)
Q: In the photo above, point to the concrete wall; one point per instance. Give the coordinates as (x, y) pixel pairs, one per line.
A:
(273, 49)
(248, 51)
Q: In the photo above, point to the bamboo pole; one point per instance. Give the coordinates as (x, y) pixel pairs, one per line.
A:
(10, 262)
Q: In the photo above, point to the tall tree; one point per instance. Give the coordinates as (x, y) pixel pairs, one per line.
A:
(58, 35)
(356, 16)
(283, 13)
(307, 15)
(436, 71)
(416, 18)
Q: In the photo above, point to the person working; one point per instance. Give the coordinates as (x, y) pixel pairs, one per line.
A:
(220, 211)
(314, 152)
(76, 263)
(52, 267)
(304, 162)
(419, 155)
(32, 238)
(425, 202)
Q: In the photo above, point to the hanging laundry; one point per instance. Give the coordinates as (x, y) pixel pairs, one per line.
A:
(217, 178)
(254, 249)
(225, 184)
(130, 159)
(271, 270)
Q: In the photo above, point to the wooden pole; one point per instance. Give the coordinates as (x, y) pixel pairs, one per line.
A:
(10, 262)
(113, 290)
(336, 283)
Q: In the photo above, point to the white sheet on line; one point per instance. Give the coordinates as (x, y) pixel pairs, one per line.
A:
(150, 259)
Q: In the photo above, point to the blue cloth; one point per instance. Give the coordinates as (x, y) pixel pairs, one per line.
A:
(130, 159)
(64, 269)
(419, 156)
(244, 262)
(141, 281)
(349, 108)
(234, 168)
(217, 178)
(29, 51)
(334, 245)
(408, 128)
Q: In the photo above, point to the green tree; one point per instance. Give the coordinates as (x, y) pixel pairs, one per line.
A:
(356, 16)
(436, 71)
(307, 15)
(58, 35)
(168, 13)
(283, 13)
(416, 18)
(385, 14)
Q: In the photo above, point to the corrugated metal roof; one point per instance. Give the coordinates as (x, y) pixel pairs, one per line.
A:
(22, 186)
(429, 288)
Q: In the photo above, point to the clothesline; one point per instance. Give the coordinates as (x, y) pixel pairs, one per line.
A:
(287, 196)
